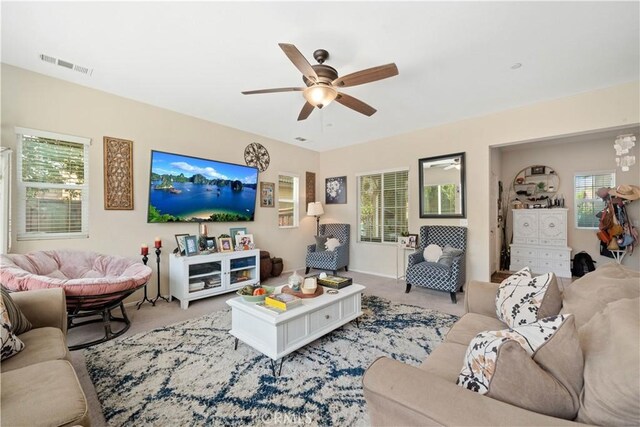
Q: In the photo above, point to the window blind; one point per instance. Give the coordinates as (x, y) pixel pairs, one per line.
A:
(383, 206)
(53, 187)
(587, 202)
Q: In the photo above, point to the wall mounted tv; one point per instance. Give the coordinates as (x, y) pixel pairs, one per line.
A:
(190, 189)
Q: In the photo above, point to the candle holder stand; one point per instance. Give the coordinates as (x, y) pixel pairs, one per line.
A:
(153, 301)
(145, 298)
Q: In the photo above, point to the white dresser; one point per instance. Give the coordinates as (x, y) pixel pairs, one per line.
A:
(540, 241)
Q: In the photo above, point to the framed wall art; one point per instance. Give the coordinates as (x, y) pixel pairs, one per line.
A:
(267, 190)
(310, 187)
(191, 245)
(335, 190)
(118, 174)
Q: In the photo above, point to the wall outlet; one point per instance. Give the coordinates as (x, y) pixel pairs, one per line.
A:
(464, 222)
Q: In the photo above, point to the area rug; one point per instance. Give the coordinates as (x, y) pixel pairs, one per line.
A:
(189, 373)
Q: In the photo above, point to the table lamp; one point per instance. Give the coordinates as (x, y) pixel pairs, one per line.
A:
(315, 209)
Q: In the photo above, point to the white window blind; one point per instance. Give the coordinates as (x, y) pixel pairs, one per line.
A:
(53, 185)
(587, 202)
(383, 206)
(288, 193)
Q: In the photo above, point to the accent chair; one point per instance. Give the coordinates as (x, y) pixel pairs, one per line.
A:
(435, 275)
(321, 259)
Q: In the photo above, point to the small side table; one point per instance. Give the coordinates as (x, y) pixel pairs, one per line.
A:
(405, 252)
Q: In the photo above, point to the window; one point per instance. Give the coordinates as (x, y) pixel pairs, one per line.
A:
(53, 185)
(587, 202)
(288, 200)
(383, 206)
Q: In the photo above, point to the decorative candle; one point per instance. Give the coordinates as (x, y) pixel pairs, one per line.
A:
(144, 249)
(157, 243)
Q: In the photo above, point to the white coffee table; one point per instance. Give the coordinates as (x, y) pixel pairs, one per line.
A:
(277, 334)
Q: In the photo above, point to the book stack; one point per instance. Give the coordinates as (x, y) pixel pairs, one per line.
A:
(282, 301)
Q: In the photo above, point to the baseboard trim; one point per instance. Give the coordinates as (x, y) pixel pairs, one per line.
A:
(388, 276)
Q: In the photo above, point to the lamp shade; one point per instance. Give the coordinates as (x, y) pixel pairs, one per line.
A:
(315, 209)
(320, 95)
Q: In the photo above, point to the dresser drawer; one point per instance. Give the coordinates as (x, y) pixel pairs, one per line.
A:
(532, 241)
(520, 240)
(523, 261)
(323, 317)
(561, 265)
(524, 252)
(553, 242)
(553, 255)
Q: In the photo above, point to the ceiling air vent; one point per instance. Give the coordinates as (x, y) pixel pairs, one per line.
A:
(299, 138)
(66, 64)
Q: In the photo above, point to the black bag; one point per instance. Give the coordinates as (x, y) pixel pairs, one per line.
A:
(582, 264)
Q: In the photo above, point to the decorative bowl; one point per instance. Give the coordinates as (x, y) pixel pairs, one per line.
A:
(257, 298)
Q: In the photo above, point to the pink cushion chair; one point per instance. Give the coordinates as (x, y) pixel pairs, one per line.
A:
(94, 284)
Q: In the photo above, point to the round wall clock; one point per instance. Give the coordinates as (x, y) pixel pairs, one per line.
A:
(256, 155)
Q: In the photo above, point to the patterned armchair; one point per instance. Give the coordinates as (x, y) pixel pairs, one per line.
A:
(434, 275)
(330, 260)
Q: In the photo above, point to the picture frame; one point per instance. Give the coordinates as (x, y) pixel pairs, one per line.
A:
(267, 193)
(537, 170)
(310, 187)
(403, 241)
(412, 241)
(225, 244)
(233, 231)
(211, 244)
(245, 241)
(181, 243)
(191, 245)
(335, 190)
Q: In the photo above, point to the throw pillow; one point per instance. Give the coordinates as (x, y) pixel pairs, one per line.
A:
(11, 344)
(522, 299)
(611, 393)
(332, 244)
(449, 253)
(432, 253)
(19, 323)
(321, 241)
(537, 367)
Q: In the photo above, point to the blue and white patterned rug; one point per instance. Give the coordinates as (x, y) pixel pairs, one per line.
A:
(189, 373)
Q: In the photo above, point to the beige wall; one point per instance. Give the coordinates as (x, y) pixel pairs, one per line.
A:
(567, 159)
(35, 101)
(606, 108)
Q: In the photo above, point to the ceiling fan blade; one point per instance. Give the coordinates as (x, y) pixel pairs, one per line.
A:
(367, 76)
(280, 89)
(306, 110)
(355, 104)
(299, 61)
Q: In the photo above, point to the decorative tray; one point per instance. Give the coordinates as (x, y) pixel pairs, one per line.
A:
(287, 290)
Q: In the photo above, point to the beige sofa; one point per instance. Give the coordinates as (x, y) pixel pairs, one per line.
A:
(39, 385)
(399, 394)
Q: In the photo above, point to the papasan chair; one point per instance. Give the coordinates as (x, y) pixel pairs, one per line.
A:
(94, 284)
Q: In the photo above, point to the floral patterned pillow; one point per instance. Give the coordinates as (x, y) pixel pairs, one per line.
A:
(522, 299)
(11, 344)
(536, 366)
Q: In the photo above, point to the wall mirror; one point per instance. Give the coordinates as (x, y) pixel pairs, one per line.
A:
(536, 185)
(442, 186)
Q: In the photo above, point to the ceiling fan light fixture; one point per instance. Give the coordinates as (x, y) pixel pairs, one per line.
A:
(320, 95)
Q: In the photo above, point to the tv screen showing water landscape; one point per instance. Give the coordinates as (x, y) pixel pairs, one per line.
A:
(190, 189)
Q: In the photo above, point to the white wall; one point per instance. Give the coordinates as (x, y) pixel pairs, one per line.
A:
(589, 153)
(601, 109)
(35, 101)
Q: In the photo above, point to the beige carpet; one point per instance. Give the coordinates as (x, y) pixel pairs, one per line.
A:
(163, 314)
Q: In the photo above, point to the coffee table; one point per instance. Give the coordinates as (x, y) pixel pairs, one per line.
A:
(278, 334)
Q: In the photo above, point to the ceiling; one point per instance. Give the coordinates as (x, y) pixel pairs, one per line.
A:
(455, 58)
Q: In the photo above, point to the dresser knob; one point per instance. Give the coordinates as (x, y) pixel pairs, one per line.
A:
(326, 316)
(551, 225)
(526, 224)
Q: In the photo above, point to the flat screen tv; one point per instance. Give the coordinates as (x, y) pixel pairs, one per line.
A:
(190, 189)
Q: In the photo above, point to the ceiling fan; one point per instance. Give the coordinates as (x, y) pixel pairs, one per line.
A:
(323, 82)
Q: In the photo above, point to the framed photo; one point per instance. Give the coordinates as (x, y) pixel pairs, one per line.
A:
(335, 190)
(225, 244)
(245, 241)
(267, 190)
(181, 243)
(191, 245)
(403, 241)
(211, 244)
(537, 170)
(237, 230)
(412, 241)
